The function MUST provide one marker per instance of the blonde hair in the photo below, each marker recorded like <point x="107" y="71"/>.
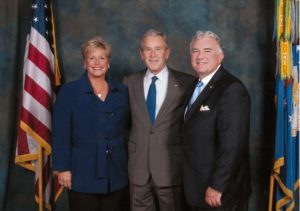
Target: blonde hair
<point x="96" y="42"/>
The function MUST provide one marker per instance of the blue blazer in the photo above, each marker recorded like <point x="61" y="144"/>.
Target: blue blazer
<point x="87" y="136"/>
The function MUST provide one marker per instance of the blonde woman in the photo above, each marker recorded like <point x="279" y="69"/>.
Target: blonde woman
<point x="88" y="148"/>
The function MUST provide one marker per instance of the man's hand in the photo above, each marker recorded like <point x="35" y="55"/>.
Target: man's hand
<point x="213" y="197"/>
<point x="64" y="178"/>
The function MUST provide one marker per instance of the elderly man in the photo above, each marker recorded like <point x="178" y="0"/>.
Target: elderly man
<point x="216" y="173"/>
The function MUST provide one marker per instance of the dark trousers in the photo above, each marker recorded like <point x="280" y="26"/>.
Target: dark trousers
<point x="241" y="206"/>
<point x="96" y="201"/>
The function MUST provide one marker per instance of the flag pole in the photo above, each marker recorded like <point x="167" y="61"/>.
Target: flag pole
<point x="40" y="170"/>
<point x="271" y="191"/>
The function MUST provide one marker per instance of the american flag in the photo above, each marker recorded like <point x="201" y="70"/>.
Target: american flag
<point x="40" y="76"/>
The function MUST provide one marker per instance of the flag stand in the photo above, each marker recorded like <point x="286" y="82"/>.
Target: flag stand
<point x="40" y="170"/>
<point x="271" y="193"/>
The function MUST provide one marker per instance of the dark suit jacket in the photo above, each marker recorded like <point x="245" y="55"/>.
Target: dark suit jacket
<point x="216" y="141"/>
<point x="156" y="149"/>
<point x="87" y="136"/>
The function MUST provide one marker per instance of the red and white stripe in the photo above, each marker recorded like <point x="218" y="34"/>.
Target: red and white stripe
<point x="35" y="112"/>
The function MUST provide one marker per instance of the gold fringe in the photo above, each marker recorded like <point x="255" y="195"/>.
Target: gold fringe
<point x="57" y="74"/>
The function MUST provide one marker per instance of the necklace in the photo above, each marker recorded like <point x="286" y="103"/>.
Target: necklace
<point x="101" y="92"/>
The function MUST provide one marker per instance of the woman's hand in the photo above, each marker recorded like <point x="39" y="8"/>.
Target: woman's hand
<point x="65" y="178"/>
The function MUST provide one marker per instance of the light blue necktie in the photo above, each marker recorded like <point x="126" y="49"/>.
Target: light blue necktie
<point x="196" y="93"/>
<point x="151" y="99"/>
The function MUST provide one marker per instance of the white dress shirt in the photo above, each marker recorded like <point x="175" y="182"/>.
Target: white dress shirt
<point x="205" y="81"/>
<point x="207" y="78"/>
<point x="161" y="86"/>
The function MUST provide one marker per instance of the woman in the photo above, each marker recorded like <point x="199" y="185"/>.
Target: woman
<point x="88" y="147"/>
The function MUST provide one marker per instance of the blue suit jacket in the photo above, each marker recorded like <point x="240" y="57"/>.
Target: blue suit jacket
<point x="87" y="136"/>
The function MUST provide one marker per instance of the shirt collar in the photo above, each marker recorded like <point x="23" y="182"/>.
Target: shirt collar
<point x="207" y="78"/>
<point x="162" y="75"/>
<point x="86" y="87"/>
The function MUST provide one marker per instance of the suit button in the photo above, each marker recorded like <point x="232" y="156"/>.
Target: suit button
<point x="112" y="113"/>
<point x="108" y="151"/>
<point x="151" y="132"/>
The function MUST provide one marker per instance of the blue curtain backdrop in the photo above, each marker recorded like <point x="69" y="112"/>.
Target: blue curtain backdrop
<point x="244" y="26"/>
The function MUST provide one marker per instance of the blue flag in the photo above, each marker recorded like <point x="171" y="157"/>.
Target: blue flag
<point x="286" y="158"/>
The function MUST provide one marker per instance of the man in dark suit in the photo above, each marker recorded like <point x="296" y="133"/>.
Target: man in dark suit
<point x="216" y="172"/>
<point x="157" y="98"/>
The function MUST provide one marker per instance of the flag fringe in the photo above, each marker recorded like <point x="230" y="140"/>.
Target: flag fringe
<point x="56" y="65"/>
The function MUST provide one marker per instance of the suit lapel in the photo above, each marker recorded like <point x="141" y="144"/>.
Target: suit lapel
<point x="140" y="97"/>
<point x="172" y="91"/>
<point x="204" y="94"/>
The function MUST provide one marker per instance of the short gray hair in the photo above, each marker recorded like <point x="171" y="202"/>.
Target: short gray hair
<point x="201" y="34"/>
<point x="153" y="32"/>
